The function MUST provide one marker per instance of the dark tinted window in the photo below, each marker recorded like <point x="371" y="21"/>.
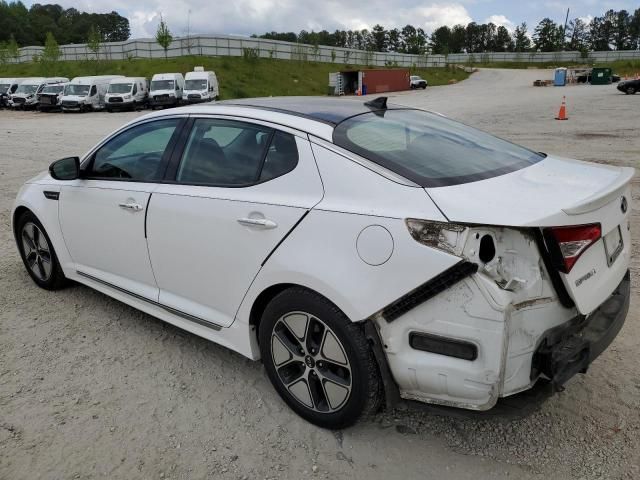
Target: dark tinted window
<point x="429" y="149"/>
<point x="224" y="153"/>
<point x="281" y="158"/>
<point x="135" y="154"/>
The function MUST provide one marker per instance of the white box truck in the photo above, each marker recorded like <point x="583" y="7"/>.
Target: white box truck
<point x="26" y="95"/>
<point x="8" y="86"/>
<point x="86" y="93"/>
<point x="200" y="86"/>
<point x="166" y="90"/>
<point x="127" y="93"/>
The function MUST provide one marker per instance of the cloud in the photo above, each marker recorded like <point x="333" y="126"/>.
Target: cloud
<point x="245" y="17"/>
<point x="500" y="21"/>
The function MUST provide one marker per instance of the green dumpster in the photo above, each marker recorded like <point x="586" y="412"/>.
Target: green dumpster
<point x="601" y="76"/>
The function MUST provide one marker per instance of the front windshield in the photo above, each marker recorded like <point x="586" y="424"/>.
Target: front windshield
<point x="195" y="84"/>
<point x="79" y="90"/>
<point x="431" y="150"/>
<point x="53" y="89"/>
<point x="120" y="87"/>
<point x="27" y="89"/>
<point x="415" y="77"/>
<point x="162" y="85"/>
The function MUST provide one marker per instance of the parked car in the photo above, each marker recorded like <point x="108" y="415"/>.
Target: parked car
<point x="26" y="95"/>
<point x="50" y="98"/>
<point x="86" y="93"/>
<point x="630" y="87"/>
<point x="462" y="269"/>
<point x="8" y="86"/>
<point x="128" y="93"/>
<point x="166" y="90"/>
<point x="200" y="86"/>
<point x="417" y="82"/>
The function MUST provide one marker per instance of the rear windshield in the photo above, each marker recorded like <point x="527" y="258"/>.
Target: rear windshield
<point x="430" y="150"/>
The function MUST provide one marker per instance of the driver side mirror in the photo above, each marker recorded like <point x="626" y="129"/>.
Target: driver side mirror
<point x="65" y="169"/>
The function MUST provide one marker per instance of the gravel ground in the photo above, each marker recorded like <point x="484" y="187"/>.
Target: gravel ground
<point x="92" y="388"/>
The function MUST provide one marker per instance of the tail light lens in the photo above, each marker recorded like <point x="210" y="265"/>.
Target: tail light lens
<point x="448" y="237"/>
<point x="568" y="243"/>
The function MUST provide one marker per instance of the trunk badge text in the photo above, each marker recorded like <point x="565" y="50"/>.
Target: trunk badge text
<point x="585" y="277"/>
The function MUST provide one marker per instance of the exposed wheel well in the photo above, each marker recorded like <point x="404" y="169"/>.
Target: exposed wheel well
<point x="16" y="215"/>
<point x="263" y="300"/>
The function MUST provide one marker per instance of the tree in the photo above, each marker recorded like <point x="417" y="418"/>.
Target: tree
<point x="51" y="52"/>
<point x="13" y="51"/>
<point x="163" y="36"/>
<point x="94" y="41"/>
<point x="503" y="41"/>
<point x="440" y="40"/>
<point x="521" y="40"/>
<point x="578" y="35"/>
<point x="379" y="38"/>
<point x="394" y="40"/>
<point x="547" y="36"/>
<point x="622" y="30"/>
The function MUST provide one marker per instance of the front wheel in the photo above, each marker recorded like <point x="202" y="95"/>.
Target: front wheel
<point x="319" y="362"/>
<point x="631" y="91"/>
<point x="38" y="254"/>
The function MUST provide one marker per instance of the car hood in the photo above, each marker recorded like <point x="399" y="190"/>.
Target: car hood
<point x="554" y="191"/>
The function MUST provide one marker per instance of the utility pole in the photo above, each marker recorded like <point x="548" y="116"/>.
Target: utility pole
<point x="189" y="31"/>
<point x="564" y="30"/>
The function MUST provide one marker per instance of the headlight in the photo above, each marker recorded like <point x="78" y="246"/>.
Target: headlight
<point x="172" y="94"/>
<point x="127" y="97"/>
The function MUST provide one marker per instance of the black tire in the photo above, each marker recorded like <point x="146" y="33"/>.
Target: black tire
<point x="359" y="374"/>
<point x="55" y="279"/>
<point x="424" y="87"/>
<point x="631" y="91"/>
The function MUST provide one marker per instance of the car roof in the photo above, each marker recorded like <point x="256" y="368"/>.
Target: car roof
<point x="312" y="115"/>
<point x="331" y="110"/>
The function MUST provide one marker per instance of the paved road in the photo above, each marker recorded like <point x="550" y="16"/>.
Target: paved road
<point x="90" y="388"/>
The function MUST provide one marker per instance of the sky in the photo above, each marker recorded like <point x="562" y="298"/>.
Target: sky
<point x="245" y="17"/>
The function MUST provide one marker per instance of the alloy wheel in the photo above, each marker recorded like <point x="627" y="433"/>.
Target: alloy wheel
<point x="36" y="251"/>
<point x="311" y="362"/>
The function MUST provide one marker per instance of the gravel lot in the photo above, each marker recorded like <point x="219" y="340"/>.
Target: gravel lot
<point x="91" y="388"/>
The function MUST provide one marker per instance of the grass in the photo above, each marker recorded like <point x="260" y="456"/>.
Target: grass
<point x="622" y="67"/>
<point x="238" y="77"/>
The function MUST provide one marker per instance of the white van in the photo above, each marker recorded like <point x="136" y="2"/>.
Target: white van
<point x="51" y="97"/>
<point x="8" y="86"/>
<point x="200" y="86"/>
<point x="126" y="93"/>
<point x="86" y="93"/>
<point x="26" y="95"/>
<point x="166" y="90"/>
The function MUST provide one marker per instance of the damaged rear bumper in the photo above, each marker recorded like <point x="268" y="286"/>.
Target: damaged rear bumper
<point x="570" y="348"/>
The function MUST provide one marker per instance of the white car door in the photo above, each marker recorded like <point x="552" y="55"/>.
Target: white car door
<point x="231" y="195"/>
<point x="102" y="215"/>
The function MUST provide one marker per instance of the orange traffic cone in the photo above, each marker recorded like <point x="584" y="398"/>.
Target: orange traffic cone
<point x="562" y="114"/>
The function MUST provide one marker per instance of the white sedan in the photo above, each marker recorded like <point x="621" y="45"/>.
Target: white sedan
<point x="365" y="252"/>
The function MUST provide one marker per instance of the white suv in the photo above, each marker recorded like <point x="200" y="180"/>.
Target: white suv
<point x="364" y="252"/>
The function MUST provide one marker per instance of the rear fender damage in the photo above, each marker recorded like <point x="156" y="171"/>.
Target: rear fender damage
<point x="497" y="299"/>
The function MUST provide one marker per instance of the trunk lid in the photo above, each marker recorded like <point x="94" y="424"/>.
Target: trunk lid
<point x="551" y="193"/>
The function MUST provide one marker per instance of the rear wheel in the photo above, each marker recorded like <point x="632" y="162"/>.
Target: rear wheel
<point x="38" y="254"/>
<point x="319" y="362"/>
<point x="631" y="91"/>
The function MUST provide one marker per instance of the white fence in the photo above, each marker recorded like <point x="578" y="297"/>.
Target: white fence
<point x="540" y="57"/>
<point x="233" y="46"/>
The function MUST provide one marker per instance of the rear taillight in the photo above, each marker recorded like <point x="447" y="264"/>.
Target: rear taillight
<point x="568" y="243"/>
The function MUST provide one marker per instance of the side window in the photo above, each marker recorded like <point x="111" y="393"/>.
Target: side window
<point x="135" y="154"/>
<point x="93" y="91"/>
<point x="281" y="158"/>
<point x="135" y="89"/>
<point x="223" y="153"/>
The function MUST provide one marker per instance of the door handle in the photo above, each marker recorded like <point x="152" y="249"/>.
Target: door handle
<point x="258" y="222"/>
<point x="134" y="207"/>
